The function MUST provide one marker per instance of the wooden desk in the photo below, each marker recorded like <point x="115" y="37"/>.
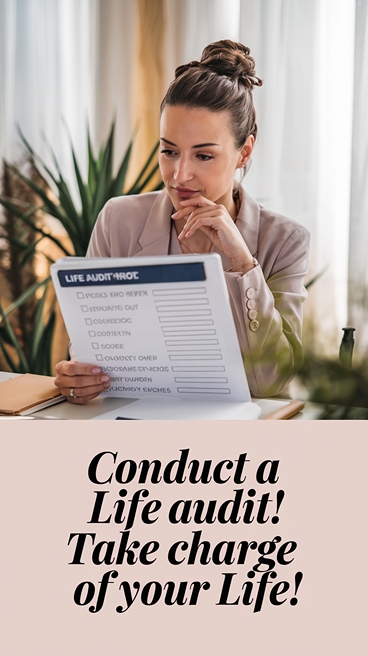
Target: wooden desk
<point x="100" y="405"/>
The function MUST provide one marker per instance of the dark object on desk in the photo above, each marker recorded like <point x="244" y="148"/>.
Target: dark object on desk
<point x="340" y="385"/>
<point x="347" y="347"/>
<point x="126" y="418"/>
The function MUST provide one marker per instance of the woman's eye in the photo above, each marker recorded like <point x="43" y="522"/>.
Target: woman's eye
<point x="169" y="153"/>
<point x="203" y="157"/>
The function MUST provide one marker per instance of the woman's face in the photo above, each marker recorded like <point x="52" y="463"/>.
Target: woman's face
<point x="198" y="156"/>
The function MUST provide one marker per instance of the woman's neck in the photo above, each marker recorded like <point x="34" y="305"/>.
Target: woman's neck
<point x="198" y="243"/>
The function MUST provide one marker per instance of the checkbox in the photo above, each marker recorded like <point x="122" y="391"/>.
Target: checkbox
<point x="80" y="295"/>
<point x="92" y="333"/>
<point x="99" y="357"/>
<point x="94" y="345"/>
<point x="84" y="308"/>
<point x="88" y="322"/>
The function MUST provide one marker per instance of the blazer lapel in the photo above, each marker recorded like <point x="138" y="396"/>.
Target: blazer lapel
<point x="248" y="221"/>
<point x="155" y="238"/>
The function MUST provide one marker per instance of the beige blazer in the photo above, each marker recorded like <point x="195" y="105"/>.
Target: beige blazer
<point x="266" y="302"/>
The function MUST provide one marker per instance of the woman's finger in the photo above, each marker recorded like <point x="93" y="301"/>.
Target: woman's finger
<point x="74" y="374"/>
<point x="189" y="205"/>
<point x="80" y="381"/>
<point x="73" y="368"/>
<point x="83" y="394"/>
<point x="80" y="400"/>
<point x="214" y="218"/>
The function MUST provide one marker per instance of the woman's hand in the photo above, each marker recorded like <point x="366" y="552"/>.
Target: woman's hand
<point x="85" y="381"/>
<point x="214" y="221"/>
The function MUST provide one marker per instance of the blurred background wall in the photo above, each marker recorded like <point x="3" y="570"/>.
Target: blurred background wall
<point x="64" y="63"/>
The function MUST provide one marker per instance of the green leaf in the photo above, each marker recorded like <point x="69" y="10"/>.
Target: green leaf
<point x="92" y="165"/>
<point x="27" y="145"/>
<point x="103" y="184"/>
<point x="86" y="199"/>
<point x="21" y="244"/>
<point x="25" y="296"/>
<point x="317" y="276"/>
<point x="4" y="337"/>
<point x="110" y="153"/>
<point x="51" y="207"/>
<point x="39" y="159"/>
<point x="138" y="180"/>
<point x="14" y="342"/>
<point x="42" y="363"/>
<point x="106" y="150"/>
<point x="117" y="186"/>
<point x="138" y="189"/>
<point x="48" y="235"/>
<point x="10" y="362"/>
<point x="14" y="208"/>
<point x="29" y="252"/>
<point x="38" y="325"/>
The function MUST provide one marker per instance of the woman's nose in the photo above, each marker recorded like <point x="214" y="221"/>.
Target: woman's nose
<point x="183" y="171"/>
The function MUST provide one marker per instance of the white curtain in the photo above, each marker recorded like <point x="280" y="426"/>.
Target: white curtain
<point x="47" y="82"/>
<point x="116" y="30"/>
<point x="358" y="252"/>
<point x="302" y="164"/>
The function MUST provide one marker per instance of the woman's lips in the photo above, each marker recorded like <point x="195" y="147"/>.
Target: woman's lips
<point x="184" y="193"/>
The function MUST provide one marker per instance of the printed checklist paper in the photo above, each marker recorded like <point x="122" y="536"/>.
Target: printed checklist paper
<point x="159" y="326"/>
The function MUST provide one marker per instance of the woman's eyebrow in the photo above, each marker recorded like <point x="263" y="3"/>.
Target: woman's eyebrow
<point x="167" y="141"/>
<point x="204" y="145"/>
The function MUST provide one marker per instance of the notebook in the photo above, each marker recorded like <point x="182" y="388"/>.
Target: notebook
<point x="27" y="393"/>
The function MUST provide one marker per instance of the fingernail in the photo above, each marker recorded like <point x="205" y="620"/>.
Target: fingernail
<point x="96" y="370"/>
<point x="105" y="378"/>
<point x="107" y="384"/>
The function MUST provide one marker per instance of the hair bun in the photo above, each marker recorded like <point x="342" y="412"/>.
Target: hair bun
<point x="231" y="59"/>
<point x="185" y="67"/>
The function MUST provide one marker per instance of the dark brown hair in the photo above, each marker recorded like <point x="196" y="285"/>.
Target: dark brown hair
<point x="222" y="80"/>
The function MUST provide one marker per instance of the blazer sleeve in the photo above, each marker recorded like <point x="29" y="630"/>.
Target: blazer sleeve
<point x="100" y="242"/>
<point x="268" y="316"/>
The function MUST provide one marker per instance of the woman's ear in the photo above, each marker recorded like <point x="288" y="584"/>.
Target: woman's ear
<point x="246" y="150"/>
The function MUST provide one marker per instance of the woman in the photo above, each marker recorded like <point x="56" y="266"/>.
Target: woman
<point x="208" y="129"/>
